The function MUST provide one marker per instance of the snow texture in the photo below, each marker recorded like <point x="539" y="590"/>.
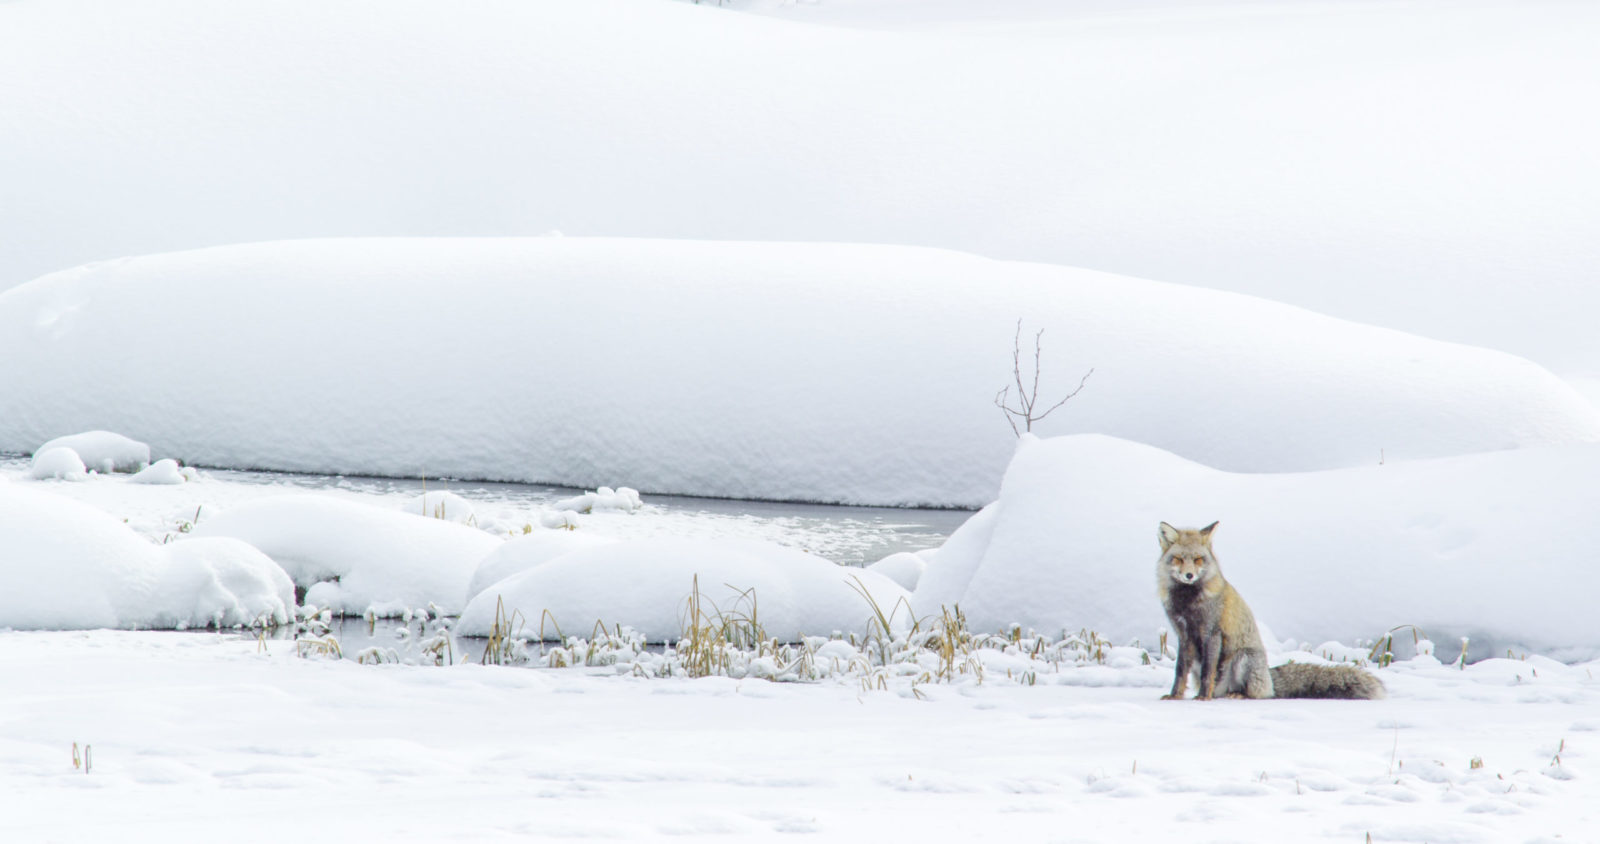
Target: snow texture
<point x="1491" y="546"/>
<point x="68" y="566"/>
<point x="103" y="451"/>
<point x="840" y="373"/>
<point x="352" y="556"/>
<point x="645" y="584"/>
<point x="1427" y="166"/>
<point x="1503" y="751"/>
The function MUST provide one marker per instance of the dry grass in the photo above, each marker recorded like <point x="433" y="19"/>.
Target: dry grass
<point x="505" y="646"/>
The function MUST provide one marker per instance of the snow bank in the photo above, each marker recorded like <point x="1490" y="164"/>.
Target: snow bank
<point x="645" y="584"/>
<point x="521" y="553"/>
<point x="840" y="373"/>
<point x="67" y="565"/>
<point x="1429" y="166"/>
<point x="62" y="464"/>
<point x="103" y="451"/>
<point x="351" y="556"/>
<point x="1494" y="546"/>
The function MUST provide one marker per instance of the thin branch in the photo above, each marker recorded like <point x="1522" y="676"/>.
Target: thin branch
<point x="1000" y="402"/>
<point x="1028" y="400"/>
<point x="1085" y="380"/>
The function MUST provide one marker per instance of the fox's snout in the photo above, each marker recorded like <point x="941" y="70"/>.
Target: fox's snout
<point x="1189" y="576"/>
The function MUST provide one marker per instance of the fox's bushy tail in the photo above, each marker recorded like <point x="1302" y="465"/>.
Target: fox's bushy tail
<point x="1298" y="679"/>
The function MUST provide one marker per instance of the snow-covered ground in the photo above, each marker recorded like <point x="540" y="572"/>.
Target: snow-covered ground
<point x="1422" y="165"/>
<point x="812" y="372"/>
<point x="199" y="736"/>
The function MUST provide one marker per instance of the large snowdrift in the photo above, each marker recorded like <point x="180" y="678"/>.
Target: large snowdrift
<point x="841" y="373"/>
<point x="646" y="585"/>
<point x="67" y="565"/>
<point x="351" y="557"/>
<point x="1492" y="546"/>
<point x="1427" y="166"/>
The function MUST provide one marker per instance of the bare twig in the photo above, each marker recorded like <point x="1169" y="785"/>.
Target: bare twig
<point x="1028" y="400"/>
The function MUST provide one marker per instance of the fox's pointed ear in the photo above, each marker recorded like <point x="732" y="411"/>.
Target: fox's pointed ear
<point x="1205" y="532"/>
<point x="1168" y="535"/>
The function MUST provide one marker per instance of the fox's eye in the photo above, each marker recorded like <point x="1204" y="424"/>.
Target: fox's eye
<point x="1199" y="561"/>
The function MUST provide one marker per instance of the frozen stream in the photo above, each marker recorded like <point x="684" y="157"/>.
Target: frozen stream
<point x="847" y="535"/>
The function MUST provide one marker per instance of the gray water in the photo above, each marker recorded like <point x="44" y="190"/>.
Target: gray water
<point x="853" y="536"/>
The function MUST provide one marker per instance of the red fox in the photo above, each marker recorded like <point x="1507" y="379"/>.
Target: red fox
<point x="1217" y="635"/>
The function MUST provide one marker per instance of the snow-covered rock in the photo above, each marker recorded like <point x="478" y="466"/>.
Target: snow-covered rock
<point x="220" y="582"/>
<point x="825" y="372"/>
<point x="622" y="499"/>
<point x="352" y="556"/>
<point x="163" y="471"/>
<point x="1491" y="546"/>
<point x="441" y="504"/>
<point x="103" y="451"/>
<point x="904" y="568"/>
<point x="57" y="463"/>
<point x="67" y="565"/>
<point x="646" y="584"/>
<point x="521" y="553"/>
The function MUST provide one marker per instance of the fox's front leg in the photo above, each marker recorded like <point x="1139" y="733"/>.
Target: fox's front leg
<point x="1210" y="655"/>
<point x="1187" y="657"/>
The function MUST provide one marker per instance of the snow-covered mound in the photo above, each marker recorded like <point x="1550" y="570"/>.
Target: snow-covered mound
<point x="441" y="504"/>
<point x="163" y="471"/>
<point x="1492" y="546"/>
<point x="521" y="553"/>
<point x="67" y="565"/>
<point x="351" y="556"/>
<point x="1428" y="166"/>
<point x="826" y="372"/>
<point x="646" y="584"/>
<point x="221" y="582"/>
<point x="904" y="568"/>
<point x="103" y="451"/>
<point x="57" y="463"/>
<point x="622" y="499"/>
